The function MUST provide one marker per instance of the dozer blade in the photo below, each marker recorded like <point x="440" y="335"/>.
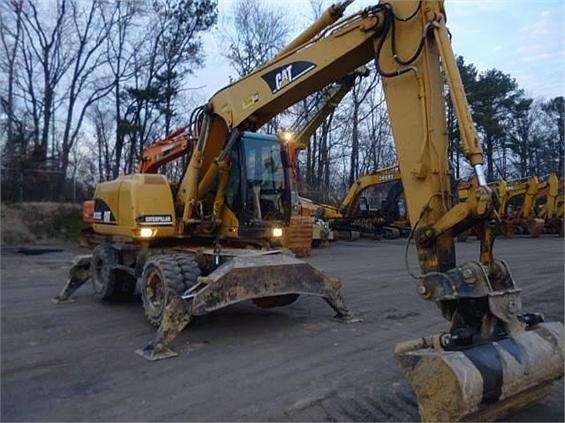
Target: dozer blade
<point x="244" y="278"/>
<point x="251" y="277"/>
<point x="486" y="381"/>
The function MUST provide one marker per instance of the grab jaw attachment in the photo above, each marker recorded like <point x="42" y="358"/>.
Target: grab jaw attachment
<point x="494" y="360"/>
<point x="483" y="382"/>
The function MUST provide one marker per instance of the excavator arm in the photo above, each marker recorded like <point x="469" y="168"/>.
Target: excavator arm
<point x="552" y="192"/>
<point x="494" y="356"/>
<point x="552" y="211"/>
<point x="327" y="57"/>
<point x="175" y="145"/>
<point x="334" y="98"/>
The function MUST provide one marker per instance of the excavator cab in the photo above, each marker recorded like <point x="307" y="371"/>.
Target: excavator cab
<point x="258" y="191"/>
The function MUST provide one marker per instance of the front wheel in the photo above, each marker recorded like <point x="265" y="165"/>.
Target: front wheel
<point x="162" y="276"/>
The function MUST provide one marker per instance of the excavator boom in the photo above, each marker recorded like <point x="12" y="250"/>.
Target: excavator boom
<point x="459" y="373"/>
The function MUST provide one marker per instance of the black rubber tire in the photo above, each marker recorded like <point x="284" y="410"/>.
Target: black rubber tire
<point x="162" y="276"/>
<point x="103" y="279"/>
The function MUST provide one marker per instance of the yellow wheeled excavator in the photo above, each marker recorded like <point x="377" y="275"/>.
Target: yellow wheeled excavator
<point x="188" y="244"/>
<point x="356" y="215"/>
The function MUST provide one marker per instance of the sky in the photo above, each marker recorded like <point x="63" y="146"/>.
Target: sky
<point x="524" y="38"/>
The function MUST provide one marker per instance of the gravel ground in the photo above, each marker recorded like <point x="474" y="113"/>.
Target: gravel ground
<point x="76" y="361"/>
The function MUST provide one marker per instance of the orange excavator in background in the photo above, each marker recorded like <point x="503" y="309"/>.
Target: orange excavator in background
<point x="177" y="144"/>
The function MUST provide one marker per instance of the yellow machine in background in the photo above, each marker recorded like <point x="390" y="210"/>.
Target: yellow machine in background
<point x="354" y="217"/>
<point x="234" y="198"/>
<point x="519" y="209"/>
<point x="386" y="221"/>
<point x="519" y="214"/>
<point x="552" y="210"/>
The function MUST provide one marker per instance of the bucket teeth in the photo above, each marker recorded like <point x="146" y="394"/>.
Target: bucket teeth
<point x="486" y="381"/>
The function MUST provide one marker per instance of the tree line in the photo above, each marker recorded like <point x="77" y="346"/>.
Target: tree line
<point x="88" y="85"/>
<point x="98" y="79"/>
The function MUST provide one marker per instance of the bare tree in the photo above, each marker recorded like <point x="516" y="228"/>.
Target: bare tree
<point x="10" y="40"/>
<point x="101" y="119"/>
<point x="45" y="44"/>
<point x="172" y="50"/>
<point x="361" y="90"/>
<point x="377" y="146"/>
<point x="86" y="85"/>
<point x="254" y="34"/>
<point x="119" y="51"/>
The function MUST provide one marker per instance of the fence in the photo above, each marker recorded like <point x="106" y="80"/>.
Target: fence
<point x="19" y="185"/>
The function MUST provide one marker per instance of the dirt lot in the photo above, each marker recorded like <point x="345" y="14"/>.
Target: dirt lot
<point x="76" y="361"/>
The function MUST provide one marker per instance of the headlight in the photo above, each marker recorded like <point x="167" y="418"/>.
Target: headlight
<point x="277" y="232"/>
<point x="286" y="136"/>
<point x="146" y="232"/>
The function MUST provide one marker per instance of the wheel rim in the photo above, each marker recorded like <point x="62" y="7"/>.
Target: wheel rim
<point x="155" y="292"/>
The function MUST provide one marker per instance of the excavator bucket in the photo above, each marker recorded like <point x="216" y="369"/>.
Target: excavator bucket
<point x="484" y="382"/>
<point x="267" y="279"/>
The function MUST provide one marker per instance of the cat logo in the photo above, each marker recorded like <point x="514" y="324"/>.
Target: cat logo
<point x="282" y="76"/>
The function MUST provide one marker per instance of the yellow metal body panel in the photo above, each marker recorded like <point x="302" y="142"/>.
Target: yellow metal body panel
<point x="549" y="210"/>
<point x="135" y="201"/>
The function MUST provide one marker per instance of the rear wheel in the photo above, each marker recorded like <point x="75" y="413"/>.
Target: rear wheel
<point x="162" y="276"/>
<point x="104" y="258"/>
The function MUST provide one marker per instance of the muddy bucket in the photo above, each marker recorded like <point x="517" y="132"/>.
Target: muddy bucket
<point x="486" y="381"/>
